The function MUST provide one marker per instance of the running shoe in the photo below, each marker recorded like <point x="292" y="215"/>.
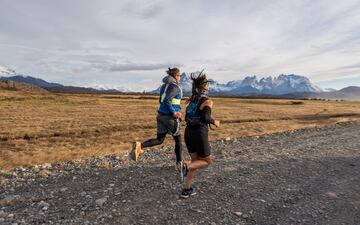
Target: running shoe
<point x="186" y="193"/>
<point x="136" y="151"/>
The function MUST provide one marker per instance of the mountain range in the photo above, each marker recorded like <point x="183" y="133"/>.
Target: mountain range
<point x="287" y="86"/>
<point x="9" y="74"/>
<point x="251" y="85"/>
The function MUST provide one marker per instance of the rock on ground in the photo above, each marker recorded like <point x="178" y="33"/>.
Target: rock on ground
<point x="308" y="176"/>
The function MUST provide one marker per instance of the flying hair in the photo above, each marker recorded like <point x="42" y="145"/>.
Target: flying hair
<point x="199" y="85"/>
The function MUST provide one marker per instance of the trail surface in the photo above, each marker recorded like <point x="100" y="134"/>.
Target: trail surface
<point x="308" y="176"/>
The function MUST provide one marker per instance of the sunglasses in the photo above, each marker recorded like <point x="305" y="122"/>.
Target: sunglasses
<point x="206" y="86"/>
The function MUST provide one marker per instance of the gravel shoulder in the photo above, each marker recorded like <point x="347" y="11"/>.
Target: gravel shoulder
<point x="307" y="176"/>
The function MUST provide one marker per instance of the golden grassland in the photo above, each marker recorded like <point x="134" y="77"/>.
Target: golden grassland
<point x="45" y="128"/>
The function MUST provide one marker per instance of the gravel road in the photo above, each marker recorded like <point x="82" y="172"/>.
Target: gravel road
<point x="308" y="176"/>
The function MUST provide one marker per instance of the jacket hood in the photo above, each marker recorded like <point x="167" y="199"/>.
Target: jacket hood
<point x="169" y="80"/>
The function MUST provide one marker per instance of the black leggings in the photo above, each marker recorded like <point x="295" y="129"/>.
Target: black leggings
<point x="160" y="139"/>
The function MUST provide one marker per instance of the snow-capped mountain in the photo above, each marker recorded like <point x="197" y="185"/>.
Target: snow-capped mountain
<point x="186" y="85"/>
<point x="106" y="87"/>
<point x="6" y="71"/>
<point x="293" y="83"/>
<point x="279" y="85"/>
<point x="250" y="85"/>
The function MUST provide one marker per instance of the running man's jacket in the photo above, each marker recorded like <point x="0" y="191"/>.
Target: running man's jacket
<point x="170" y="96"/>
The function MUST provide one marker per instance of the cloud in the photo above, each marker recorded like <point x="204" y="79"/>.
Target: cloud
<point x="352" y="66"/>
<point x="68" y="41"/>
<point x="143" y="9"/>
<point x="139" y="67"/>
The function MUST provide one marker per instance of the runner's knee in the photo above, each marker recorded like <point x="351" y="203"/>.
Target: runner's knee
<point x="208" y="159"/>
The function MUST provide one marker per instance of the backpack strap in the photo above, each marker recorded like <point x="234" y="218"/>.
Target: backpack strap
<point x="163" y="96"/>
<point x="203" y="98"/>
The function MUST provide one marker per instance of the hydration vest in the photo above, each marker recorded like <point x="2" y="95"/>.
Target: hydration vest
<point x="175" y="102"/>
<point x="193" y="112"/>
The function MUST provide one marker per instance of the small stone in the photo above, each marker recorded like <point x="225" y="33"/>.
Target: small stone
<point x="47" y="165"/>
<point x="100" y="201"/>
<point x="44" y="205"/>
<point x="228" y="139"/>
<point x="63" y="189"/>
<point x="331" y="194"/>
<point x="10" y="215"/>
<point x="10" y="198"/>
<point x="2" y="213"/>
<point x="45" y="173"/>
<point x="238" y="213"/>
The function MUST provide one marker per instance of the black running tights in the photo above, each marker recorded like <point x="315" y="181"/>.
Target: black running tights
<point x="160" y="139"/>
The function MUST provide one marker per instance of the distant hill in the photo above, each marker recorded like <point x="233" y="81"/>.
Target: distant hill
<point x="17" y="86"/>
<point x="84" y="90"/>
<point x="348" y="93"/>
<point x="32" y="80"/>
<point x="351" y="93"/>
<point x="10" y="75"/>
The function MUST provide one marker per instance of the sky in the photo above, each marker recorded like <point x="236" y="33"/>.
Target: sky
<point x="131" y="43"/>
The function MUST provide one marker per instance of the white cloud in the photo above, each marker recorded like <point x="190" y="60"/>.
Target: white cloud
<point x="126" y="42"/>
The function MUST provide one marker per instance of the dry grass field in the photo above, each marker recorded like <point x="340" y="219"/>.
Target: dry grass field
<point x="44" y="128"/>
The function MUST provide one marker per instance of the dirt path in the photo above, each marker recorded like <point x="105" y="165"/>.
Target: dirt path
<point x="309" y="176"/>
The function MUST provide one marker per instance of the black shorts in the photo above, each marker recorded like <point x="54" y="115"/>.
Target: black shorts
<point x="168" y="125"/>
<point x="197" y="140"/>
